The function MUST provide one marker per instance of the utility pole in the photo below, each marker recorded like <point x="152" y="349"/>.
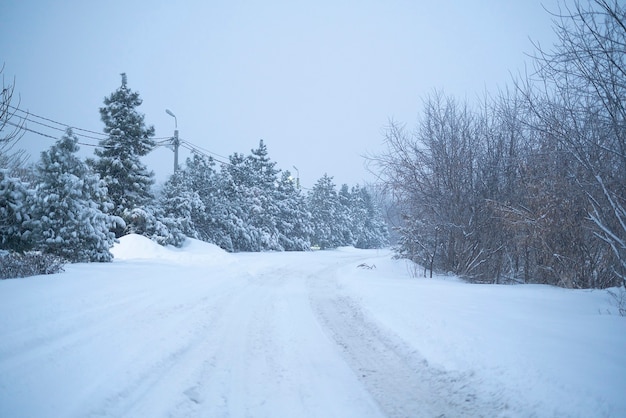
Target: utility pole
<point x="175" y="140"/>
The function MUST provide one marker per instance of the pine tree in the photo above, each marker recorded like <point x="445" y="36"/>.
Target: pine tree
<point x="370" y="228"/>
<point x="324" y="207"/>
<point x="347" y="229"/>
<point x="69" y="206"/>
<point x="239" y="203"/>
<point x="293" y="220"/>
<point x="262" y="183"/>
<point x="209" y="218"/>
<point x="246" y="207"/>
<point x="180" y="203"/>
<point x="127" y="178"/>
<point x="151" y="222"/>
<point x="262" y="168"/>
<point x="13" y="195"/>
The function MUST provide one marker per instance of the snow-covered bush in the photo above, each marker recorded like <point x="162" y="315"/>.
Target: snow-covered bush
<point x="151" y="223"/>
<point x="13" y="196"/>
<point x="30" y="263"/>
<point x="179" y="202"/>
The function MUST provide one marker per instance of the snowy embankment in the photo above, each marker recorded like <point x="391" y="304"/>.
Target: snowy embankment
<point x="199" y="332"/>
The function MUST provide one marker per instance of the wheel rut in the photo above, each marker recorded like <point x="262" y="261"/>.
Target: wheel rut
<point x="397" y="376"/>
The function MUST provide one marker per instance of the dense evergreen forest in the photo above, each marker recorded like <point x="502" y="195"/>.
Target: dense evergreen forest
<point x="75" y="209"/>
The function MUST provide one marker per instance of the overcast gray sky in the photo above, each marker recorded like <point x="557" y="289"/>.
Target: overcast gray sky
<point x="316" y="80"/>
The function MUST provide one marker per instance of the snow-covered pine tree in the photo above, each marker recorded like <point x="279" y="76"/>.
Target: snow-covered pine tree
<point x="324" y="205"/>
<point x="69" y="206"/>
<point x="13" y="197"/>
<point x="245" y="208"/>
<point x="151" y="222"/>
<point x="127" y="179"/>
<point x="262" y="179"/>
<point x="347" y="227"/>
<point x="241" y="204"/>
<point x="181" y="203"/>
<point x="202" y="178"/>
<point x="371" y="229"/>
<point x="262" y="168"/>
<point x="293" y="220"/>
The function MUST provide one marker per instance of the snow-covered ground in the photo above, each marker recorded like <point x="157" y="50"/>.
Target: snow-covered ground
<point x="199" y="332"/>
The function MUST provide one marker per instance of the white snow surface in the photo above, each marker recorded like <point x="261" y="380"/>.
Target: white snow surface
<point x="197" y="332"/>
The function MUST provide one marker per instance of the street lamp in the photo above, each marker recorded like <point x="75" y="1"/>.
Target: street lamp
<point x="175" y="140"/>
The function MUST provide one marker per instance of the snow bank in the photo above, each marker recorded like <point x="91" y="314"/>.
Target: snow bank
<point x="138" y="247"/>
<point x="558" y="349"/>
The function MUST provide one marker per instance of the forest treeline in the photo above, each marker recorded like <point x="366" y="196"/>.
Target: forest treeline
<point x="72" y="209"/>
<point x="528" y="185"/>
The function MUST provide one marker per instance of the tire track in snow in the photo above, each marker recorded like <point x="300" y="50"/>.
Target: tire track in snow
<point x="148" y="390"/>
<point x="274" y="360"/>
<point x="222" y="387"/>
<point x="65" y="332"/>
<point x="397" y="376"/>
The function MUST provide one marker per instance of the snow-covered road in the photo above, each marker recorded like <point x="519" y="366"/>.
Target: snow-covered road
<point x="201" y="333"/>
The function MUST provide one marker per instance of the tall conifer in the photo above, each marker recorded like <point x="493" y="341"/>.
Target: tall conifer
<point x="69" y="206"/>
<point x="128" y="180"/>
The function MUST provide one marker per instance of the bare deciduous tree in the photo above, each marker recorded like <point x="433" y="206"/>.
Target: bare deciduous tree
<point x="10" y="130"/>
<point x="531" y="186"/>
<point x="582" y="105"/>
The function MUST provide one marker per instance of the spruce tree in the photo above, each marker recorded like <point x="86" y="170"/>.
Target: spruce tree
<point x="370" y="228"/>
<point x="262" y="168"/>
<point x="324" y="207"/>
<point x="201" y="177"/>
<point x="13" y="196"/>
<point x="247" y="209"/>
<point x="69" y="206"/>
<point x="152" y="222"/>
<point x="346" y="226"/>
<point x="262" y="183"/>
<point x="128" y="180"/>
<point x="239" y="204"/>
<point x="293" y="219"/>
<point x="180" y="203"/>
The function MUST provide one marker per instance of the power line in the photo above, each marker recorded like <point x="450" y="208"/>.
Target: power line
<point x="204" y="149"/>
<point x="60" y="129"/>
<point x="198" y="150"/>
<point x="160" y="141"/>
<point x="50" y="136"/>
<point x="28" y="117"/>
<point x="53" y="121"/>
<point x="30" y="130"/>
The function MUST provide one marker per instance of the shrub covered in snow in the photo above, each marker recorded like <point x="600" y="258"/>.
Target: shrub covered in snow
<point x="30" y="263"/>
<point x="13" y="196"/>
<point x="152" y="223"/>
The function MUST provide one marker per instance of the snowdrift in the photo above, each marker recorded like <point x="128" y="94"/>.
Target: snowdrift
<point x="137" y="247"/>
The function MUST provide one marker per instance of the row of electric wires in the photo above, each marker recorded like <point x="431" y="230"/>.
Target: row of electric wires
<point x="51" y="128"/>
<point x="43" y="123"/>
